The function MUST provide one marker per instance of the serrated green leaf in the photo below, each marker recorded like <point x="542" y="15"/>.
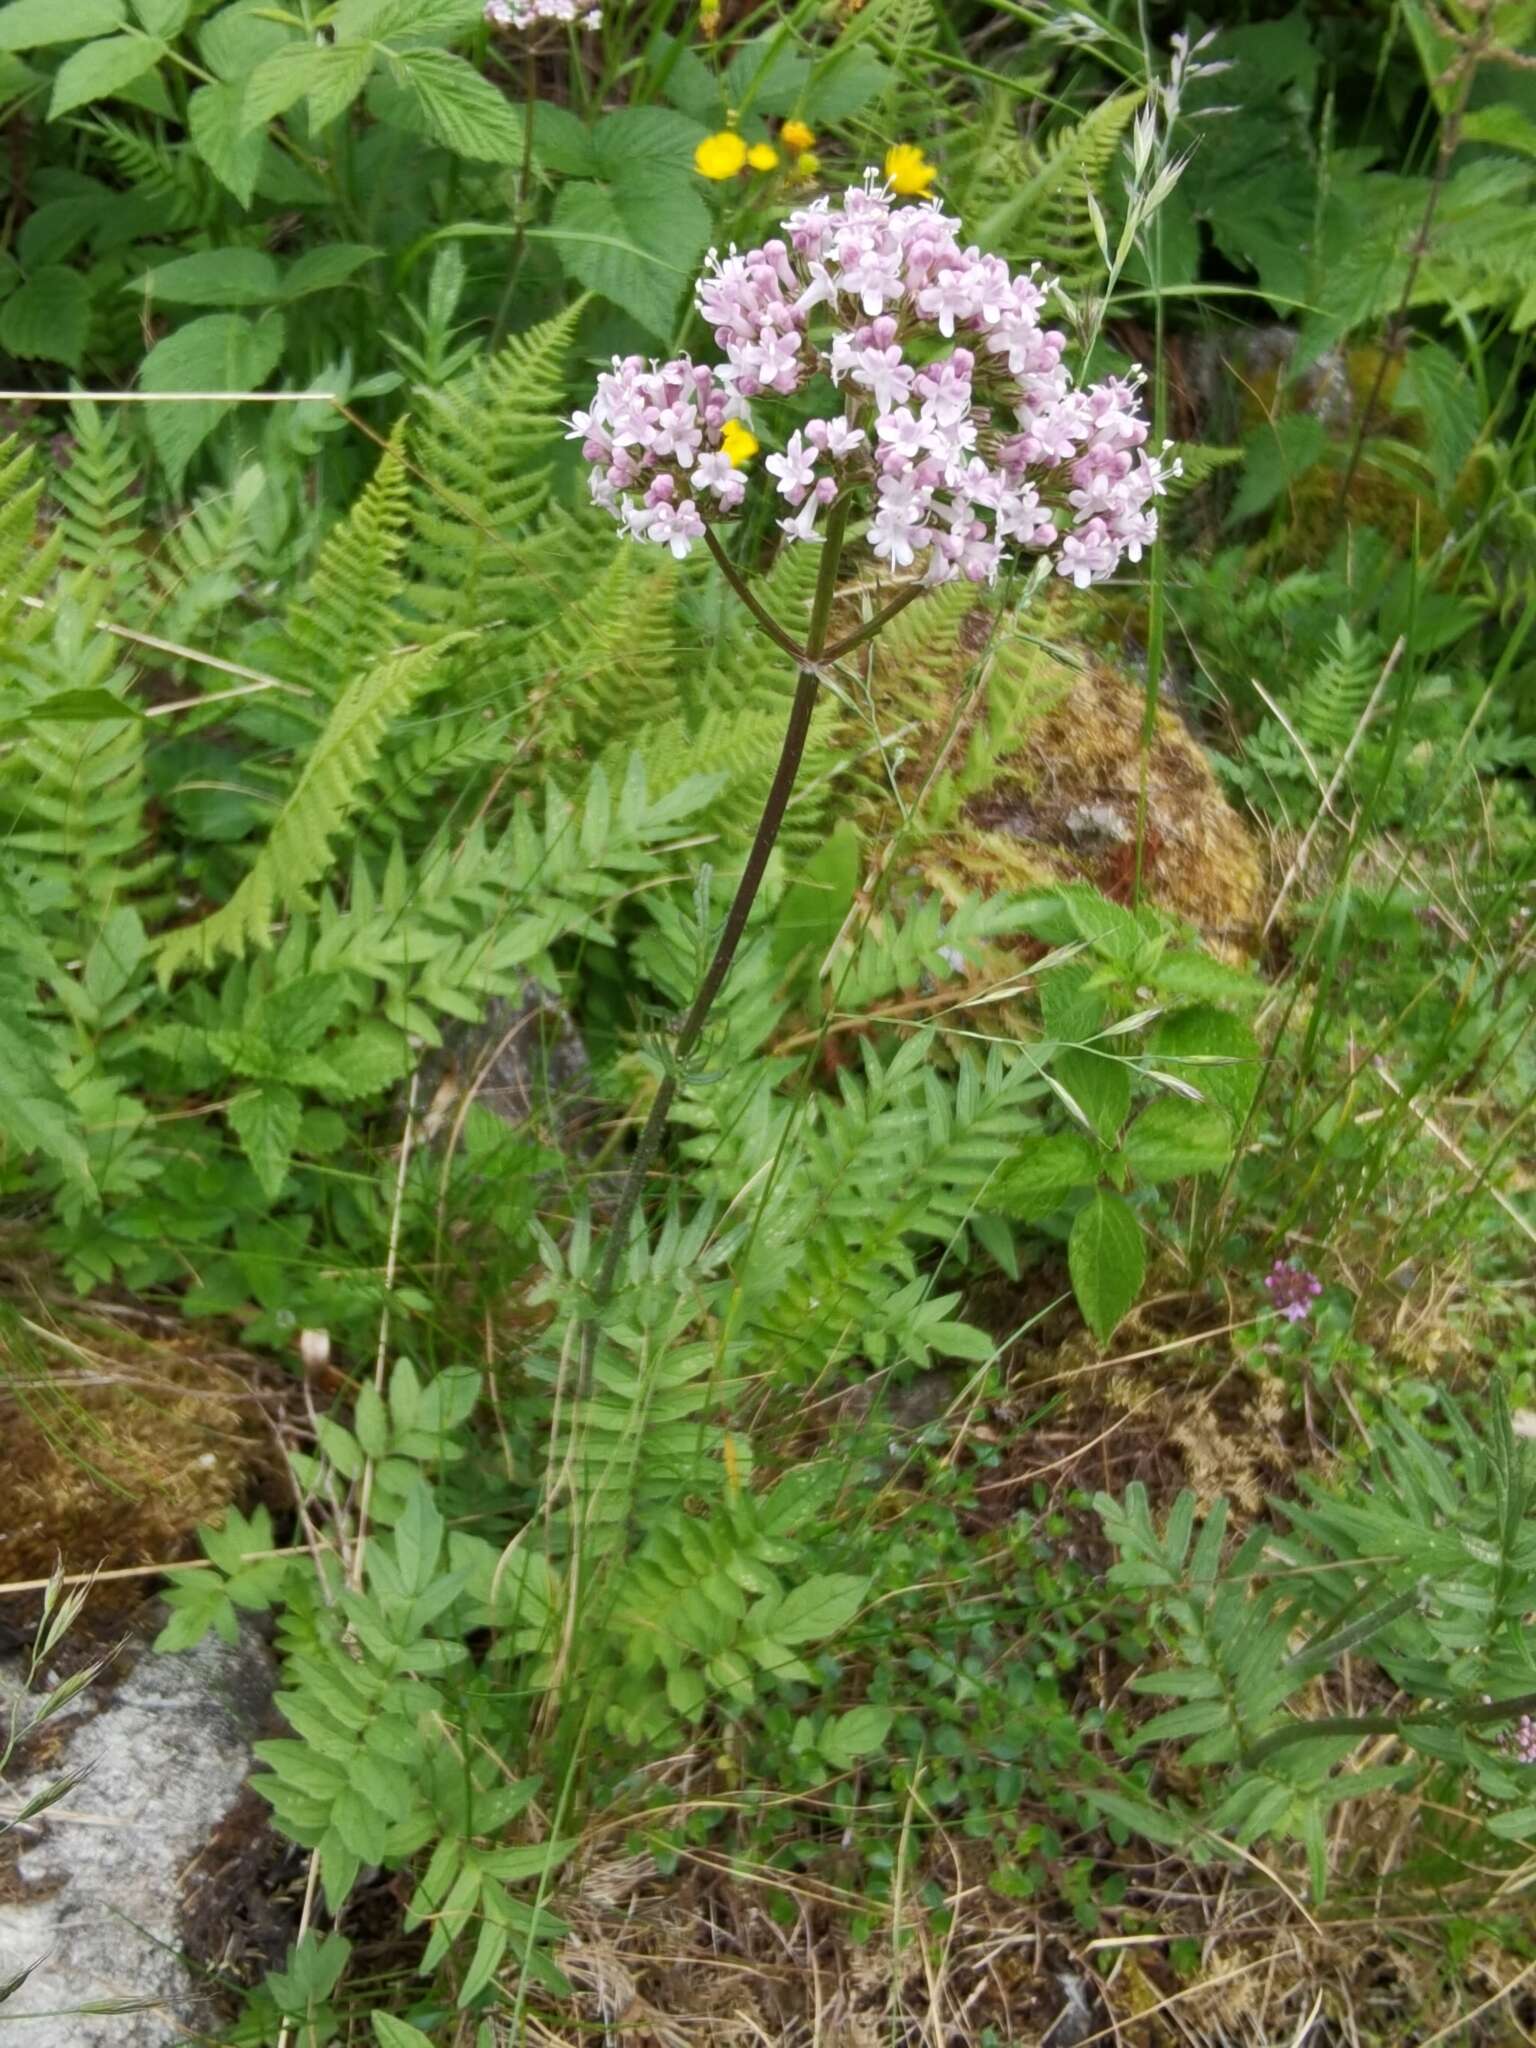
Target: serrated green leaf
<point x="48" y="318"/>
<point x="266" y="1121"/>
<point x="37" y="24"/>
<point x="1171" y="1138"/>
<point x="811" y="1612"/>
<point x="1099" y="1084"/>
<point x="1107" y="1258"/>
<point x="637" y="243"/>
<point x="212" y="277"/>
<point x="1043" y="1174"/>
<point x="1213" y="1051"/>
<point x="450" y="102"/>
<point x="219" y="353"/>
<point x="101" y="69"/>
<point x="219" y="135"/>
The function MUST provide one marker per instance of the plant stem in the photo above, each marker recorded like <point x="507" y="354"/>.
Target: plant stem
<point x="798" y="655"/>
<point x="524" y="186"/>
<point x="796" y="733"/>
<point x="1475" y="1716"/>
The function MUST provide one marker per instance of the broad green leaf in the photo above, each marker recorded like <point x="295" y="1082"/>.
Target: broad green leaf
<point x="101" y="69"/>
<point x="859" y="1732"/>
<point x="638" y="243"/>
<point x="1213" y="1051"/>
<point x="1107" y="1258"/>
<point x="220" y="352"/>
<point x="323" y="268"/>
<point x="813" y="907"/>
<point x="843" y="84"/>
<point x="337" y="82"/>
<point x="1099" y="1084"/>
<point x="281" y="81"/>
<point x="648" y="138"/>
<point x="1172" y="1138"/>
<point x="561" y="142"/>
<point x="236" y="39"/>
<point x="811" y="1612"/>
<point x="392" y="2033"/>
<point x="213" y="277"/>
<point x="450" y="102"/>
<point x="79" y="707"/>
<point x="48" y="318"/>
<point x="1043" y="1174"/>
<point x="266" y="1121"/>
<point x="1276" y="454"/>
<point x="35" y="24"/>
<point x="215" y="119"/>
<point x="162" y="17"/>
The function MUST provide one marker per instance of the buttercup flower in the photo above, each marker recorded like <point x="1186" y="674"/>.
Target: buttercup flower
<point x="908" y="172"/>
<point x="958" y="428"/>
<point x="738" y="442"/>
<point x="796" y="136"/>
<point x="720" y="156"/>
<point x="762" y="156"/>
<point x="1292" y="1289"/>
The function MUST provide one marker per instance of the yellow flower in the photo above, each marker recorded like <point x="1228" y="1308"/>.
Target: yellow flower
<point x="762" y="156"/>
<point x="796" y="136"/>
<point x="908" y="171"/>
<point x="720" y="156"/>
<point x="739" y="442"/>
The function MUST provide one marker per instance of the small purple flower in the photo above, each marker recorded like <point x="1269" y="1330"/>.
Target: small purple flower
<point x="1292" y="1289"/>
<point x="1519" y="1742"/>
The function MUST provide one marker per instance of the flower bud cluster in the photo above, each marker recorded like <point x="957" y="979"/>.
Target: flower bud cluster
<point x="523" y="15"/>
<point x="960" y="426"/>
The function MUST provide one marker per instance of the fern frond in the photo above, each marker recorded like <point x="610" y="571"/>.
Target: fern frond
<point x="170" y="175"/>
<point x="1046" y="218"/>
<point x="331" y="786"/>
<point x="345" y="621"/>
<point x="27" y="560"/>
<point x="485" y="449"/>
<point x="97" y="494"/>
<point x="606" y="667"/>
<point x="72" y="788"/>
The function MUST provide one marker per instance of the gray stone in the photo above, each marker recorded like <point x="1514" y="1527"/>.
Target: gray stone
<point x="93" y="1898"/>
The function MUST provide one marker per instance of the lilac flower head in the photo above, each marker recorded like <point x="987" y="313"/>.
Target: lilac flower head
<point x="1520" y="1741"/>
<point x="1292" y="1289"/>
<point x="959" y="425"/>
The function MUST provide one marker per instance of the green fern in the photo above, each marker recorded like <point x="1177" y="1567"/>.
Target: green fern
<point x="331" y="785"/>
<point x="484" y="453"/>
<point x="1045" y="216"/>
<point x="97" y="493"/>
<point x="346" y="619"/>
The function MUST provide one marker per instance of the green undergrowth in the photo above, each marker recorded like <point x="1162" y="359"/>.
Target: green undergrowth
<point x="940" y="1534"/>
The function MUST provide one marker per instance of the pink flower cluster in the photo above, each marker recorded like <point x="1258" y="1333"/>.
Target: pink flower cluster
<point x="960" y="424"/>
<point x="655" y="434"/>
<point x="1292" y="1289"/>
<point x="526" y="14"/>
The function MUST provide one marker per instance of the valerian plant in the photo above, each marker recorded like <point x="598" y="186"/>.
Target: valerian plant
<point x="951" y="430"/>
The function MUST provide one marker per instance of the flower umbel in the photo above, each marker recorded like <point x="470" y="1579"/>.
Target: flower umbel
<point x="526" y="14"/>
<point x="720" y="156"/>
<point x="1292" y="1289"/>
<point x="958" y="427"/>
<point x="796" y="136"/>
<point x="908" y="172"/>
